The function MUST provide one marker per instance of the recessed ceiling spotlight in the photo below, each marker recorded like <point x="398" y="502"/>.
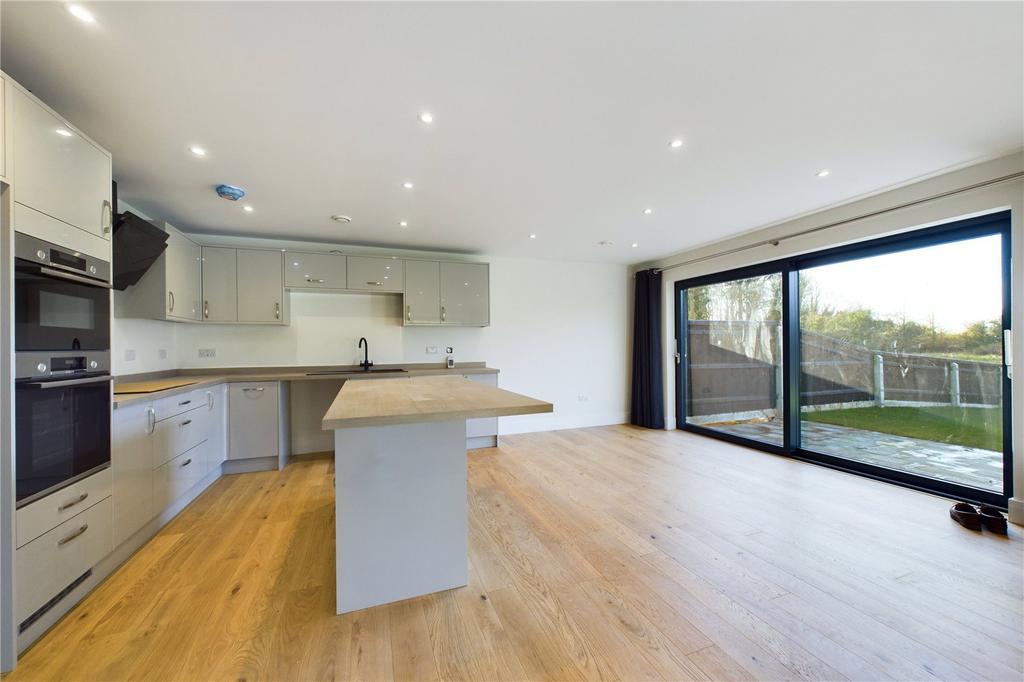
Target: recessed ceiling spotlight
<point x="403" y="223"/>
<point x="407" y="185"/>
<point x="426" y="117"/>
<point x="247" y="209"/>
<point x="635" y="244"/>
<point x="822" y="173"/>
<point x="533" y="236"/>
<point x="64" y="132"/>
<point x="676" y="143"/>
<point x="82" y="14"/>
<point x="648" y="211"/>
<point x="341" y="218"/>
<point x="197" y="150"/>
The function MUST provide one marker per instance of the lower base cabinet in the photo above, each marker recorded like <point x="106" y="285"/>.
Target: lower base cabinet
<point x="131" y="464"/>
<point x="255" y="420"/>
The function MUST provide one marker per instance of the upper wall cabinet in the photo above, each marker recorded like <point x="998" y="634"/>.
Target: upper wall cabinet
<point x="61" y="180"/>
<point x="465" y="294"/>
<point x="261" y="287"/>
<point x="422" y="292"/>
<point x="3" y="128"/>
<point x="375" y="274"/>
<point x="220" y="284"/>
<point x="170" y="289"/>
<point x="314" y="271"/>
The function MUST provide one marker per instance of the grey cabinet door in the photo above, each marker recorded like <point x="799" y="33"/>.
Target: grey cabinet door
<point x="260" y="286"/>
<point x="131" y="464"/>
<point x="184" y="277"/>
<point x="220" y="288"/>
<point x="465" y="294"/>
<point x="422" y="292"/>
<point x="314" y="271"/>
<point x="374" y="274"/>
<point x="253" y="420"/>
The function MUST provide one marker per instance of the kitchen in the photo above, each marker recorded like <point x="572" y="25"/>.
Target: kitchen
<point x="550" y="340"/>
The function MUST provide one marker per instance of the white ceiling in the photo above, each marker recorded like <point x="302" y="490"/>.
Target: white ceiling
<point x="551" y="118"/>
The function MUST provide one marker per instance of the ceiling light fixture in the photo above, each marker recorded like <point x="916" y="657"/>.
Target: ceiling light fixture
<point x="822" y="173"/>
<point x="82" y="14"/>
<point x="676" y="143"/>
<point x="64" y="132"/>
<point x="426" y="117"/>
<point x="341" y="218"/>
<point x="197" y="150"/>
<point x="648" y="211"/>
<point x="403" y="223"/>
<point x="635" y="244"/>
<point x="533" y="236"/>
<point x="247" y="209"/>
<point x="407" y="185"/>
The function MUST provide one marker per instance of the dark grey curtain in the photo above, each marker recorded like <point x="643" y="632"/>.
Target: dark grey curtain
<point x="647" y="404"/>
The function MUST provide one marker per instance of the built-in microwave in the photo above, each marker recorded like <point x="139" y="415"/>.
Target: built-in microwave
<point x="61" y="298"/>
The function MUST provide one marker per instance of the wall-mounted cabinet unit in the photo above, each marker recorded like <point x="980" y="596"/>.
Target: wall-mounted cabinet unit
<point x="261" y="287"/>
<point x="220" y="284"/>
<point x="170" y="289"/>
<point x="62" y="187"/>
<point x="375" y="274"/>
<point x="315" y="270"/>
<point x="422" y="292"/>
<point x="3" y="128"/>
<point x="465" y="294"/>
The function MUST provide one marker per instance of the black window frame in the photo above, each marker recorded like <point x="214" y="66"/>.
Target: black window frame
<point x="996" y="223"/>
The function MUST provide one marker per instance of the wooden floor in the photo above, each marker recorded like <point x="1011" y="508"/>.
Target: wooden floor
<point x="613" y="553"/>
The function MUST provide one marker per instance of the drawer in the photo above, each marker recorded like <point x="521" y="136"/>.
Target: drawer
<point x="178" y="476"/>
<point x="174" y="405"/>
<point x="314" y="271"/>
<point x="55" y="559"/>
<point x="375" y="274"/>
<point x="173" y="436"/>
<point x="46" y="514"/>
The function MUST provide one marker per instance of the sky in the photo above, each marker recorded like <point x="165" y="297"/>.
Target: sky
<point x="957" y="283"/>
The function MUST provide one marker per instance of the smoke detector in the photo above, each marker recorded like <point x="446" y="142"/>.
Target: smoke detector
<point x="229" y="192"/>
<point x="606" y="242"/>
<point x="341" y="218"/>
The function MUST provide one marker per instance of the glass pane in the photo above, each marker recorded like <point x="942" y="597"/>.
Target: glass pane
<point x="901" y="361"/>
<point x="734" y="357"/>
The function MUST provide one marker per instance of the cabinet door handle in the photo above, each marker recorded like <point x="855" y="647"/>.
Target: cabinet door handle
<point x="253" y="388"/>
<point x="317" y="281"/>
<point x="151" y="420"/>
<point x="408" y="312"/>
<point x="277" y="310"/>
<point x="185" y="423"/>
<point x="183" y="403"/>
<point x="68" y="538"/>
<point x="206" y="310"/>
<point x="170" y="301"/>
<point x="444" y="314"/>
<point x="72" y="503"/>
<point x="186" y="462"/>
<point x="375" y="284"/>
<point x="107" y="219"/>
<point x="209" y="400"/>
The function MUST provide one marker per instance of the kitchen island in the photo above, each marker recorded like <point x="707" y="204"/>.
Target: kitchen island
<point x="401" y="522"/>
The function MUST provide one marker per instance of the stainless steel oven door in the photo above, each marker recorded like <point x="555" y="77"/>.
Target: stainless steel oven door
<point x="62" y="433"/>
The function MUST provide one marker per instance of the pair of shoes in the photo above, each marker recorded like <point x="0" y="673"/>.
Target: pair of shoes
<point x="968" y="516"/>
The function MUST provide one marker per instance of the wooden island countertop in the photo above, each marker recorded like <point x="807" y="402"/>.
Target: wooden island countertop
<point x="423" y="399"/>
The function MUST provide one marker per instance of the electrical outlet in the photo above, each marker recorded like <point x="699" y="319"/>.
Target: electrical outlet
<point x="431" y="350"/>
<point x="129" y="354"/>
<point x="207" y="352"/>
<point x="162" y="354"/>
<point x="582" y="398"/>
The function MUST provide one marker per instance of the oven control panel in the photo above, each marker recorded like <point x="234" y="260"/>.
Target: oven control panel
<point x="43" y="364"/>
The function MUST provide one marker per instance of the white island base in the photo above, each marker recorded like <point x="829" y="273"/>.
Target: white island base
<point x="401" y="523"/>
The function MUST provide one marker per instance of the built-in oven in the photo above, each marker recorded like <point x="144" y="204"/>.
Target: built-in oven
<point x="62" y="420"/>
<point x="61" y="298"/>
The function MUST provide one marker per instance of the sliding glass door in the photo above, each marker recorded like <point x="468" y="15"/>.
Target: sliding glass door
<point x="896" y="358"/>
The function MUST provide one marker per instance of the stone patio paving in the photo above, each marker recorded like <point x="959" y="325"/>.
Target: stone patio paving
<point x="973" y="467"/>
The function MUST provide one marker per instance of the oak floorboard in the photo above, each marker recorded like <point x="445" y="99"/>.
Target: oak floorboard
<point x="606" y="553"/>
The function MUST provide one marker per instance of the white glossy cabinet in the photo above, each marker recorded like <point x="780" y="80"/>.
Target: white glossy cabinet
<point x="422" y="292"/>
<point x="62" y="175"/>
<point x="170" y="289"/>
<point x="254" y="420"/>
<point x="131" y="464"/>
<point x="375" y="274"/>
<point x="4" y="146"/>
<point x="314" y="270"/>
<point x="465" y="295"/>
<point x="261" y="287"/>
<point x="220" y="285"/>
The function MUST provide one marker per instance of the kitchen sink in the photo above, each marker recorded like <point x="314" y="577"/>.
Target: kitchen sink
<point x="372" y="370"/>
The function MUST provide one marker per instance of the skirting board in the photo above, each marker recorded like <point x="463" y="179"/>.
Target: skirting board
<point x="113" y="561"/>
<point x="247" y="466"/>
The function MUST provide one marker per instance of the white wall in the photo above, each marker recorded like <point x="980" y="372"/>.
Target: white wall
<point x="953" y="205"/>
<point x="559" y="332"/>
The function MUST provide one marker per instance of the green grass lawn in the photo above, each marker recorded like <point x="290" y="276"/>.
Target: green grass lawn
<point x="975" y="427"/>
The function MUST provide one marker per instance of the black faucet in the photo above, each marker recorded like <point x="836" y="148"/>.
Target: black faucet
<point x="365" y="364"/>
